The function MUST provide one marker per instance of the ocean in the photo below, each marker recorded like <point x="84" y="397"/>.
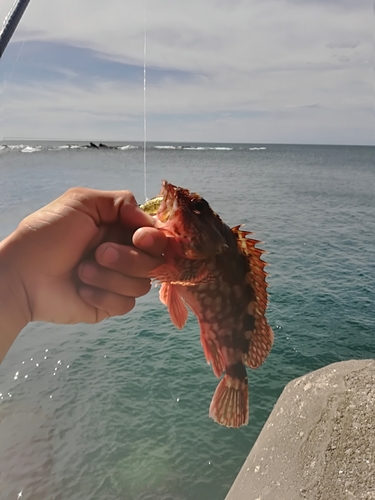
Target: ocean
<point x="119" y="411"/>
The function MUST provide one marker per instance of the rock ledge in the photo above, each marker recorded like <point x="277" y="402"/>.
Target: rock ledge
<point x="319" y="441"/>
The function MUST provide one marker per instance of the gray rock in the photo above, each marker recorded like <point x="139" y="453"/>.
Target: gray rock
<point x="319" y="441"/>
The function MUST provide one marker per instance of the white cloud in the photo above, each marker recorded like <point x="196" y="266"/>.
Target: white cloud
<point x="297" y="69"/>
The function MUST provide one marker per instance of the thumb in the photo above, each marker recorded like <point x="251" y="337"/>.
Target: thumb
<point x="150" y="240"/>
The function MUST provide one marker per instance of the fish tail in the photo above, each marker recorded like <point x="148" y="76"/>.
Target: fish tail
<point x="230" y="403"/>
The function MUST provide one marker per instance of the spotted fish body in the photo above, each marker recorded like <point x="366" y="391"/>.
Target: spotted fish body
<point x="218" y="273"/>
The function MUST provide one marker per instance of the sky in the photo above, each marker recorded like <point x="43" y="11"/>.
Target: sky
<point x="270" y="71"/>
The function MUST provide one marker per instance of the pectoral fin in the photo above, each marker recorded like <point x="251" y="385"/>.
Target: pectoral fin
<point x="176" y="306"/>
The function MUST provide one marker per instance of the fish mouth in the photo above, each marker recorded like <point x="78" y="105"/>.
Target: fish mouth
<point x="164" y="204"/>
<point x="168" y="204"/>
<point x="187" y="219"/>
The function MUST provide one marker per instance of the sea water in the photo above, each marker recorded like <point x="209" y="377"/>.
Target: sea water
<point x="121" y="408"/>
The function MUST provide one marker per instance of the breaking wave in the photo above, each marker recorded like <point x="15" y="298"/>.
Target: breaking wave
<point x="195" y="148"/>
<point x="30" y="149"/>
<point x="50" y="146"/>
<point x="128" y="146"/>
<point x="24" y="148"/>
<point x="206" y="148"/>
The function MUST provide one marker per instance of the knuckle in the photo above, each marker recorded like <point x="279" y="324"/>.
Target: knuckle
<point x="129" y="197"/>
<point x="77" y="191"/>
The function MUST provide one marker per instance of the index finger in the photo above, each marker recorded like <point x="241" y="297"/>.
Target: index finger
<point x="134" y="217"/>
<point x="106" y="207"/>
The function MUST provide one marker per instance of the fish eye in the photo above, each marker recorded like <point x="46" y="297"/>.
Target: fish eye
<point x="198" y="205"/>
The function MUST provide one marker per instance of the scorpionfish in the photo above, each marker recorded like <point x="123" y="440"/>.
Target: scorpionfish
<point x="218" y="273"/>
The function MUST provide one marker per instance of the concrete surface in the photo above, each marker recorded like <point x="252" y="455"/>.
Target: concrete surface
<point x="319" y="441"/>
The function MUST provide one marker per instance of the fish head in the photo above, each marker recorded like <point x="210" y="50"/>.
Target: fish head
<point x="188" y="219"/>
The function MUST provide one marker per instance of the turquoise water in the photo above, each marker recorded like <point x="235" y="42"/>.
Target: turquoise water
<point x="122" y="407"/>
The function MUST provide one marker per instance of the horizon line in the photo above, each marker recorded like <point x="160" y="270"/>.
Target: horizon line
<point x="35" y="139"/>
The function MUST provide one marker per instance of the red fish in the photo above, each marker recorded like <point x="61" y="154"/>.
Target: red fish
<point x="217" y="272"/>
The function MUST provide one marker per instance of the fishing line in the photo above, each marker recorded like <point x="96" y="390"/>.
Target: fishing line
<point x="11" y="73"/>
<point x="144" y="101"/>
<point x="18" y="55"/>
<point x="11" y="22"/>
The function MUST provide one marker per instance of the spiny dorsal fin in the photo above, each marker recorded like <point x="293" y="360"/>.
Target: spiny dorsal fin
<point x="261" y="336"/>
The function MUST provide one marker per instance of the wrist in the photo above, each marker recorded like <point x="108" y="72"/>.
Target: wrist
<point x="14" y="304"/>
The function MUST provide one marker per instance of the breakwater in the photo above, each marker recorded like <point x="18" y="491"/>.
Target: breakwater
<point x="318" y="442"/>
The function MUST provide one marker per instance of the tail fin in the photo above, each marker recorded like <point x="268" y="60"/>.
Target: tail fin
<point x="230" y="403"/>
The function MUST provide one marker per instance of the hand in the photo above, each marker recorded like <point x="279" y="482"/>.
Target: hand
<point x="82" y="258"/>
<point x="120" y="273"/>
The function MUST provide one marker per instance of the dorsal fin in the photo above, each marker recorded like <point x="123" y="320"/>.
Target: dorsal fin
<point x="260" y="335"/>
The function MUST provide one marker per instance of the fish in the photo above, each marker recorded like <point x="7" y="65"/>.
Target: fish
<point x="217" y="272"/>
<point x="151" y="206"/>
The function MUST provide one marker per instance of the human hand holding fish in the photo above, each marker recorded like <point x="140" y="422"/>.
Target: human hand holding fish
<point x="87" y="256"/>
<point x="82" y="258"/>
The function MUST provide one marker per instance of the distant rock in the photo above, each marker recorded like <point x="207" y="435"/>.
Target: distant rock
<point x="92" y="145"/>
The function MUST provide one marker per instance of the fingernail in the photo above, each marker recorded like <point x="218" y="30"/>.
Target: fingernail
<point x="88" y="271"/>
<point x="110" y="255"/>
<point x="146" y="240"/>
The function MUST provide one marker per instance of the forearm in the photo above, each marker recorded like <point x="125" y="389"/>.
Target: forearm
<point x="14" y="308"/>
